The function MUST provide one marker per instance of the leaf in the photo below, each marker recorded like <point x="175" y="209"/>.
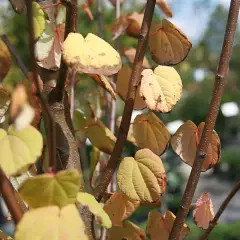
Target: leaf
<point x="79" y="123"/>
<point x="18" y="6"/>
<point x="61" y="15"/>
<point x="129" y="231"/>
<point x="203" y="212"/>
<point x="123" y="78"/>
<point x="150" y="132"/>
<point x="51" y="223"/>
<point x="95" y="208"/>
<point x="100" y="136"/>
<point x="104" y="83"/>
<point x="4" y="103"/>
<point x="130" y="53"/>
<point x="5" y="60"/>
<point x="135" y="22"/>
<point x="168" y="45"/>
<point x="94" y="159"/>
<point x="19" y="149"/>
<point x="48" y="189"/>
<point x="90" y="55"/>
<point x="162" y="223"/>
<point x="165" y="8"/>
<point x="87" y="10"/>
<point x="142" y="178"/>
<point x="119" y="207"/>
<point x="186" y="139"/>
<point x="161" y="89"/>
<point x="38" y="20"/>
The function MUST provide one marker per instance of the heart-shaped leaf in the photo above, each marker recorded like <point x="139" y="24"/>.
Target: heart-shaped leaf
<point x="142" y="178"/>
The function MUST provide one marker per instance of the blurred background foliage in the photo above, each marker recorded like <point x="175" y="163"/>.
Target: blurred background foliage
<point x="197" y="73"/>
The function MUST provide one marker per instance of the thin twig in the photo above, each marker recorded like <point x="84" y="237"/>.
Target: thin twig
<point x="13" y="51"/>
<point x="210" y="120"/>
<point x="7" y="192"/>
<point x="50" y="128"/>
<point x="127" y="113"/>
<point x="213" y="223"/>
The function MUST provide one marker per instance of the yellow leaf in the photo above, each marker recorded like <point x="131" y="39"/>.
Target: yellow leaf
<point x="119" y="207"/>
<point x="165" y="8"/>
<point x="91" y="55"/>
<point x="95" y="208"/>
<point x="142" y="178"/>
<point x="150" y="132"/>
<point x="100" y="136"/>
<point x="48" y="189"/>
<point x="186" y="139"/>
<point x="122" y="87"/>
<point x="168" y="45"/>
<point x="19" y="149"/>
<point x="38" y="20"/>
<point x="51" y="223"/>
<point x="129" y="231"/>
<point x="162" y="223"/>
<point x="5" y="60"/>
<point x="161" y="89"/>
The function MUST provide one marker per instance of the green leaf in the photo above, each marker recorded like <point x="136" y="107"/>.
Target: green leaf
<point x="51" y="223"/>
<point x="19" y="149"/>
<point x="38" y="20"/>
<point x="48" y="189"/>
<point x="79" y="122"/>
<point x="61" y="15"/>
<point x="142" y="178"/>
<point x="95" y="208"/>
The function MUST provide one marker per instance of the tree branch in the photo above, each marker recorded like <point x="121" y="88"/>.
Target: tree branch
<point x="210" y="120"/>
<point x="13" y="51"/>
<point x="50" y="128"/>
<point x="213" y="223"/>
<point x="129" y="103"/>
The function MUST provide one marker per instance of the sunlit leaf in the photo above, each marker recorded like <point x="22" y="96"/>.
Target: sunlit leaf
<point x="38" y="20"/>
<point x="5" y="60"/>
<point x="203" y="212"/>
<point x="122" y="87"/>
<point x="150" y="132"/>
<point x="186" y="139"/>
<point x="165" y="8"/>
<point x="51" y="223"/>
<point x="48" y="189"/>
<point x="161" y="89"/>
<point x="158" y="223"/>
<point x="142" y="178"/>
<point x="168" y="45"/>
<point x="128" y="231"/>
<point x="95" y="208"/>
<point x="119" y="207"/>
<point x="19" y="149"/>
<point x="90" y="55"/>
<point x="100" y="136"/>
<point x="18" y="6"/>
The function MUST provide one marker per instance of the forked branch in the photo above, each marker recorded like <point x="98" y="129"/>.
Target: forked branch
<point x="210" y="120"/>
<point x="129" y="103"/>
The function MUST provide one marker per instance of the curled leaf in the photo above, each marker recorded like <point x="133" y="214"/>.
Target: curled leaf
<point x="168" y="45"/>
<point x="186" y="139"/>
<point x="203" y="212"/>
<point x="142" y="178"/>
<point x="135" y="22"/>
<point x="150" y="132"/>
<point x="87" y="10"/>
<point x="5" y="60"/>
<point x="161" y="89"/>
<point x="165" y="8"/>
<point x="91" y="55"/>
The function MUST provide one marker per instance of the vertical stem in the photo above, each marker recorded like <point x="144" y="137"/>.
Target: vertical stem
<point x="210" y="120"/>
<point x="51" y="130"/>
<point x="129" y="103"/>
<point x="72" y="89"/>
<point x="220" y="211"/>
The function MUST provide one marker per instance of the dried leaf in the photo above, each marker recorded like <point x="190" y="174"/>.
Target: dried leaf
<point x="186" y="139"/>
<point x="122" y="87"/>
<point x="168" y="45"/>
<point x="128" y="231"/>
<point x="5" y="60"/>
<point x="163" y="223"/>
<point x="91" y="55"/>
<point x="203" y="212"/>
<point x="18" y="6"/>
<point x="119" y="26"/>
<point x="165" y="8"/>
<point x="150" y="132"/>
<point x="87" y="10"/>
<point x="142" y="178"/>
<point x="135" y="22"/>
<point x="161" y="89"/>
<point x="119" y="207"/>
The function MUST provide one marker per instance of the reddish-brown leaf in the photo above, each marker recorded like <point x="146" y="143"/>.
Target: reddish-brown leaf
<point x="165" y="8"/>
<point x="87" y="10"/>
